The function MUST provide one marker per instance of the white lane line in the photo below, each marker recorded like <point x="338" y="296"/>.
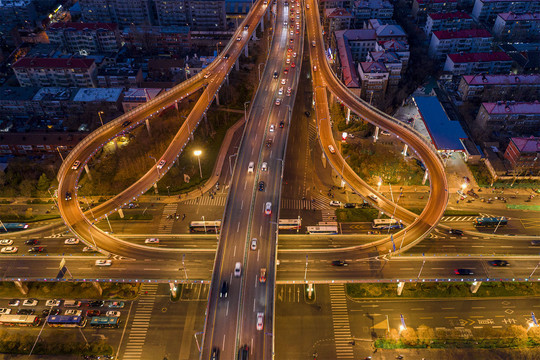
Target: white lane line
<point x="238" y="227"/>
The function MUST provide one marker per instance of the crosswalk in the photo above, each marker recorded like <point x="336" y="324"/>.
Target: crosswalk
<point x="462" y="218"/>
<point x="166" y="224"/>
<point x="340" y="320"/>
<point x="141" y="322"/>
<point x="217" y="200"/>
<point x="319" y="202"/>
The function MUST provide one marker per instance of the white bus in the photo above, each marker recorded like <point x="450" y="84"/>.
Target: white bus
<point x="386" y="224"/>
<point x="326" y="230"/>
<point x="205" y="226"/>
<point x="289" y="224"/>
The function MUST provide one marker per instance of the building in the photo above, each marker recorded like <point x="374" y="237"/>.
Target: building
<point x="237" y="7"/>
<point x="16" y="13"/>
<point x="453" y="21"/>
<point x="59" y="72"/>
<point x="401" y="48"/>
<point x="495" y="87"/>
<point x="337" y="19"/>
<point x="122" y="12"/>
<point x="391" y="61"/>
<point x="385" y="32"/>
<point x="478" y="63"/>
<point x="136" y="96"/>
<point x="158" y="39"/>
<point x="374" y="77"/>
<point x="38" y="143"/>
<point x="85" y="38"/>
<point x="487" y="10"/>
<point x="105" y="100"/>
<point x="450" y="42"/>
<point x="421" y="8"/>
<point x="517" y="27"/>
<point x="364" y="10"/>
<point x="520" y="118"/>
<point x="120" y="76"/>
<point x="359" y="42"/>
<point x="207" y="15"/>
<point x="524" y="155"/>
<point x="525" y="55"/>
<point x="172" y="12"/>
<point x="15" y="102"/>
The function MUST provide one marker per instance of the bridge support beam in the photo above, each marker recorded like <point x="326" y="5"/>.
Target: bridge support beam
<point x="246" y="51"/>
<point x="155" y="188"/>
<point x="348" y="115"/>
<point x="121" y="213"/>
<point x="237" y="65"/>
<point x="400" y="287"/>
<point x="227" y="79"/>
<point x="98" y="287"/>
<point x="87" y="169"/>
<point x="475" y="286"/>
<point x="425" y="177"/>
<point x="22" y="287"/>
<point x="323" y="159"/>
<point x="217" y="98"/>
<point x="148" y="126"/>
<point x="376" y="136"/>
<point x="174" y="289"/>
<point x="405" y="150"/>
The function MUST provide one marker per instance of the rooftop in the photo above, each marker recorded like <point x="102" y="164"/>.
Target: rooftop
<point x="527" y="145"/>
<point x="357" y="34"/>
<point x="373" y="4"/>
<point x="460" y="34"/>
<point x="479" y="57"/>
<point x="55" y="94"/>
<point x="98" y="94"/>
<point x="384" y="56"/>
<point x="373" y="67"/>
<point x="83" y="26"/>
<point x="348" y="71"/>
<point x="520" y="17"/>
<point x="511" y="107"/>
<point x="54" y="63"/>
<point x="337" y="13"/>
<point x="140" y="94"/>
<point x="17" y="93"/>
<point x="450" y="15"/>
<point x="511" y="79"/>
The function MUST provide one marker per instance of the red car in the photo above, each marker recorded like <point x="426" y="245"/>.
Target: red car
<point x="91" y="313"/>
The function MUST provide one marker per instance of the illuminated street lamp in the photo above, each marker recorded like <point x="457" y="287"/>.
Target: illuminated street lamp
<point x="198" y="153"/>
<point x="100" y="119"/>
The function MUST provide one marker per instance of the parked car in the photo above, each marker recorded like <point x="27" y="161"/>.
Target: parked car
<point x="25" y="312"/>
<point x="73" y="312"/>
<point x="53" y="302"/>
<point x="116" y="304"/>
<point x="6" y="242"/>
<point x="14" y="302"/>
<point x="335" y="203"/>
<point x="30" y="302"/>
<point x="113" y="313"/>
<point x="349" y="205"/>
<point x="97" y="303"/>
<point x="5" y="311"/>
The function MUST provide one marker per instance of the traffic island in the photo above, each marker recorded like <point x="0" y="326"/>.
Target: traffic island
<point x="309" y="293"/>
<point x="70" y="290"/>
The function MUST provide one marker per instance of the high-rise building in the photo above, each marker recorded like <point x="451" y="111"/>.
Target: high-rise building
<point x="487" y="10"/>
<point x="59" y="72"/>
<point x="16" y="13"/>
<point x="517" y="27"/>
<point x="449" y="42"/>
<point x="84" y="38"/>
<point x="122" y="12"/>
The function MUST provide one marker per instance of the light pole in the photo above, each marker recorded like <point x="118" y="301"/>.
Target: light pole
<point x="61" y="157"/>
<point x="100" y="119"/>
<point x="245" y="111"/>
<point x="198" y="153"/>
<point x="343" y="167"/>
<point x="217" y="49"/>
<point x="155" y="161"/>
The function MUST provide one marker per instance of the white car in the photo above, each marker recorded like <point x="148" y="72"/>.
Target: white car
<point x="9" y="250"/>
<point x="207" y="75"/>
<point x="30" y="302"/>
<point x="253" y="244"/>
<point x="294" y="54"/>
<point x="280" y="91"/>
<point x="462" y="194"/>
<point x="161" y="164"/>
<point x="75" y="165"/>
<point x="238" y="38"/>
<point x="283" y="81"/>
<point x="268" y="208"/>
<point x="151" y="241"/>
<point x="237" y="269"/>
<point x="272" y="127"/>
<point x="103" y="262"/>
<point x="53" y="302"/>
<point x="260" y="320"/>
<point x="89" y="249"/>
<point x="264" y="166"/>
<point x="6" y="242"/>
<point x="5" y="311"/>
<point x="251" y="167"/>
<point x="384" y="132"/>
<point x="331" y="148"/>
<point x="373" y="197"/>
<point x="71" y="241"/>
<point x="335" y="203"/>
<point x="113" y="313"/>
<point x="73" y="312"/>
<point x="278" y="101"/>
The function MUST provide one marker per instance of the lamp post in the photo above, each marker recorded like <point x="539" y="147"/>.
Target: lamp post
<point x="217" y="49"/>
<point x="61" y="157"/>
<point x="198" y="153"/>
<point x="155" y="161"/>
<point x="100" y="119"/>
<point x="245" y="110"/>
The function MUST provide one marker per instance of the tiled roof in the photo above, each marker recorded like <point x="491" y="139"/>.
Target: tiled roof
<point x="357" y="35"/>
<point x="527" y="145"/>
<point x="390" y="31"/>
<point x="83" y="26"/>
<point x="450" y="15"/>
<point x="479" y="57"/>
<point x="350" y="77"/>
<point x="520" y="17"/>
<point x="54" y="63"/>
<point x="373" y="67"/>
<point x="337" y="13"/>
<point x="502" y="107"/>
<point x="462" y="34"/>
<point x="502" y="79"/>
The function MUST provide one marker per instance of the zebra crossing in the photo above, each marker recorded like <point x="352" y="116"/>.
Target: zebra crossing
<point x="165" y="224"/>
<point x="329" y="215"/>
<point x="217" y="200"/>
<point x="340" y="320"/>
<point x="462" y="218"/>
<point x="141" y="322"/>
<point x="317" y="203"/>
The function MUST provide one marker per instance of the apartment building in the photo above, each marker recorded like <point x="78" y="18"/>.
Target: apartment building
<point x="421" y="8"/>
<point x="17" y="13"/>
<point x="38" y="143"/>
<point x="85" y="38"/>
<point x="122" y="12"/>
<point x="400" y="47"/>
<point x="509" y="116"/>
<point x="120" y="75"/>
<point x="359" y="42"/>
<point x="523" y="153"/>
<point x="487" y="10"/>
<point x="478" y="63"/>
<point x="336" y="19"/>
<point x="453" y="21"/>
<point x="56" y="72"/>
<point x="138" y="96"/>
<point x="486" y="87"/>
<point x="517" y="27"/>
<point x="374" y="77"/>
<point x="172" y="12"/>
<point x="449" y="42"/>
<point x="158" y="39"/>
<point x="391" y="61"/>
<point x="364" y="10"/>
<point x="207" y="15"/>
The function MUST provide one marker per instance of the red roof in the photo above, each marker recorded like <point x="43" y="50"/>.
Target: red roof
<point x="502" y="107"/>
<point x="503" y="79"/>
<point x="51" y="63"/>
<point x="479" y="57"/>
<point x="520" y="17"/>
<point x="83" y="26"/>
<point x="527" y="145"/>
<point x="462" y="34"/>
<point x="450" y="15"/>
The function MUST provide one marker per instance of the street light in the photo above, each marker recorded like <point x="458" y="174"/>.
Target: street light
<point x="100" y="119"/>
<point x="198" y="153"/>
<point x="245" y="110"/>
<point x="61" y="157"/>
<point x="155" y="161"/>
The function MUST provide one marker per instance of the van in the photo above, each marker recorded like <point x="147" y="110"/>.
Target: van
<point x="72" y="303"/>
<point x="237" y="269"/>
<point x="251" y="166"/>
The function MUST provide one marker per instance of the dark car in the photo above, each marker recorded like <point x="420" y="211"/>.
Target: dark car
<point x="91" y="313"/>
<point x="261" y="185"/>
<point x="339" y="263"/>
<point x="227" y="55"/>
<point x="52" y="312"/>
<point x="224" y="290"/>
<point x="215" y="354"/>
<point x="281" y="124"/>
<point x="307" y="113"/>
<point x="243" y="354"/>
<point x="25" y="312"/>
<point x="36" y="249"/>
<point x="269" y="143"/>
<point x="97" y="303"/>
<point x="455" y="232"/>
<point x="498" y="263"/>
<point x="32" y="242"/>
<point x="68" y="196"/>
<point x="126" y="123"/>
<point x="463" y="272"/>
<point x="349" y="205"/>
<point x="276" y="75"/>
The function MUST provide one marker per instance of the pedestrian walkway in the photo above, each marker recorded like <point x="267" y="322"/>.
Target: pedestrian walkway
<point x="463" y="218"/>
<point x="319" y="202"/>
<point x="167" y="220"/>
<point x="329" y="215"/>
<point x="340" y="320"/>
<point x="216" y="200"/>
<point x="141" y="322"/>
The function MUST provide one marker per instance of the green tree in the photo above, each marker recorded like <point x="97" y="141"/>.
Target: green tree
<point x="26" y="187"/>
<point x="43" y="183"/>
<point x="409" y="337"/>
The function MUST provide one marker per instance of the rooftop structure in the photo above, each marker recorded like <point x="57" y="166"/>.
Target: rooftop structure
<point x="477" y="63"/>
<point x="510" y="117"/>
<point x="524" y="154"/>
<point x="468" y="40"/>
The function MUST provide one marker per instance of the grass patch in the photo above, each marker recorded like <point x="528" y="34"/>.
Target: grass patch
<point x="460" y="213"/>
<point x="443" y="290"/>
<point x="27" y="219"/>
<point x="131" y="216"/>
<point x="70" y="290"/>
<point x="356" y="215"/>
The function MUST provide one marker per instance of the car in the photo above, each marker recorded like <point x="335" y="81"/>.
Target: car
<point x="75" y="165"/>
<point x="264" y="166"/>
<point x="294" y="54"/>
<point x="72" y="303"/>
<point x="5" y="311"/>
<point x="283" y="81"/>
<point x="113" y="313"/>
<point x="291" y="32"/>
<point x="286" y="71"/>
<point x="293" y="65"/>
<point x="500" y="263"/>
<point x="349" y="205"/>
<point x="126" y="123"/>
<point x="289" y="90"/>
<point x="88" y="249"/>
<point x="373" y="197"/>
<point x="9" y="250"/>
<point x="224" y="292"/>
<point x="384" y="132"/>
<point x="307" y="113"/>
<point x="25" y="312"/>
<point x="237" y="269"/>
<point x="73" y="312"/>
<point x="6" y="242"/>
<point x="281" y="124"/>
<point x="339" y="263"/>
<point x="285" y="23"/>
<point x="251" y="166"/>
<point x="32" y="242"/>
<point x="227" y="55"/>
<point x="535" y="242"/>
<point x="238" y="38"/>
<point x="36" y="249"/>
<point x="462" y="194"/>
<point x="278" y="102"/>
<point x="253" y="245"/>
<point x="272" y="127"/>
<point x="314" y="67"/>
<point x="52" y="312"/>
<point x="30" y="302"/>
<point x="288" y="61"/>
<point x="261" y="185"/>
<point x="280" y="91"/>
<point x="260" y="320"/>
<point x="91" y="313"/>
<point x="455" y="232"/>
<point x="71" y="241"/>
<point x="246" y="27"/>
<point x="268" y="208"/>
<point x="331" y="148"/>
<point x="68" y="196"/>
<point x="463" y="272"/>
<point x="103" y="262"/>
<point x="14" y="302"/>
<point x="269" y="143"/>
<point x="215" y="351"/>
<point x="276" y="74"/>
<point x="335" y="203"/>
<point x="151" y="241"/>
<point x="116" y="304"/>
<point x="53" y="302"/>
<point x="161" y="164"/>
<point x="97" y="303"/>
<point x="313" y="43"/>
<point x="262" y="275"/>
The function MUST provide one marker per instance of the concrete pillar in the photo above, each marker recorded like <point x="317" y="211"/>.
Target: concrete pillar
<point x="246" y="53"/>
<point x="323" y="159"/>
<point x="405" y="150"/>
<point x="400" y="287"/>
<point x="174" y="289"/>
<point x="237" y="65"/>
<point x="148" y="126"/>
<point x="376" y="136"/>
<point x="116" y="144"/>
<point x="475" y="286"/>
<point x="155" y="188"/>
<point x="217" y="98"/>
<point x="22" y="287"/>
<point x="425" y="177"/>
<point x="88" y="171"/>
<point x="262" y="24"/>
<point x="121" y="213"/>
<point x="227" y="79"/>
<point x="97" y="286"/>
<point x="348" y="115"/>
<point x="176" y="105"/>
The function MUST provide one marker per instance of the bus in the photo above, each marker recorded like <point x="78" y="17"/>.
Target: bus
<point x="490" y="221"/>
<point x="19" y="320"/>
<point x="385" y="224"/>
<point x="66" y="321"/>
<point x="13" y="227"/>
<point x="325" y="230"/>
<point x="205" y="226"/>
<point x="289" y="224"/>
<point x="105" y="321"/>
